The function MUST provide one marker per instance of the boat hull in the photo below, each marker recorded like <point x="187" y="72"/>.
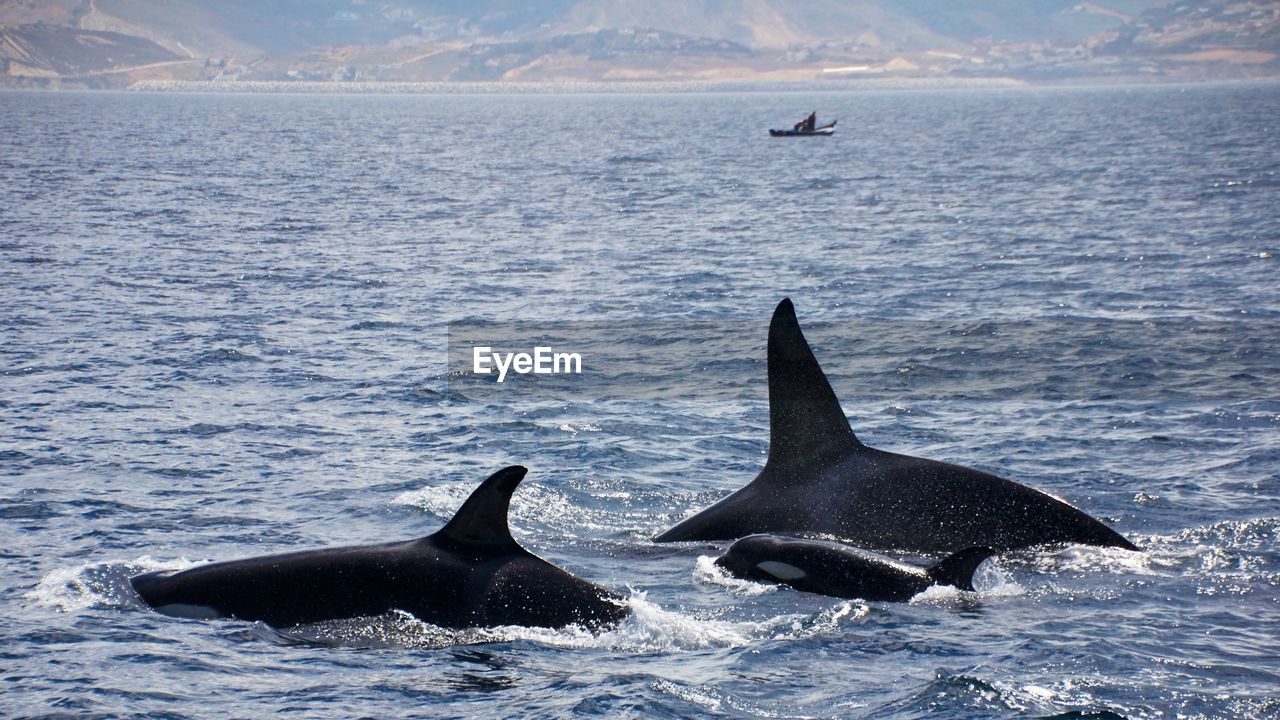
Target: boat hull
<point x="824" y="131"/>
<point x="819" y="132"/>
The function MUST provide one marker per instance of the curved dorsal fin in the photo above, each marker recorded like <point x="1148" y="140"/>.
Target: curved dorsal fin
<point x="805" y="419"/>
<point x="482" y="519"/>
<point x="957" y="568"/>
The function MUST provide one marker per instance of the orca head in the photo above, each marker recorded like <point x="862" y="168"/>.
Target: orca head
<point x="151" y="587"/>
<point x="760" y="557"/>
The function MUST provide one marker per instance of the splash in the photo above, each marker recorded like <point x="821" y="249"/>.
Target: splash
<point x="708" y="699"/>
<point x="648" y="629"/>
<point x="95" y="584"/>
<point x="827" y="622"/>
<point x="1230" y="546"/>
<point x="706" y="571"/>
<point x="534" y="505"/>
<point x="575" y="428"/>
<point x="394" y="629"/>
<point x="1255" y="534"/>
<point x="990" y="581"/>
<point x="441" y="500"/>
<point x="1087" y="559"/>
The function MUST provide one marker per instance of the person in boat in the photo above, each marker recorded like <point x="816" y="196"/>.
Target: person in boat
<point x="808" y="124"/>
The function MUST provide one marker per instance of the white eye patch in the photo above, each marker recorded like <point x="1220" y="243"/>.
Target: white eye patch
<point x="781" y="570"/>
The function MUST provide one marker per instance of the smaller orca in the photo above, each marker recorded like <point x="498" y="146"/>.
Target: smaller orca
<point x="471" y="573"/>
<point x="842" y="571"/>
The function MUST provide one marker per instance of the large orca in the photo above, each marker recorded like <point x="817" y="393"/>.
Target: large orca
<point x="819" y="479"/>
<point x="471" y="573"/>
<point x="833" y="569"/>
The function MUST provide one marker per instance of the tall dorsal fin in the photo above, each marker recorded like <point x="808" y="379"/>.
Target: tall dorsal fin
<point x="805" y="419"/>
<point x="482" y="519"/>
<point x="957" y="568"/>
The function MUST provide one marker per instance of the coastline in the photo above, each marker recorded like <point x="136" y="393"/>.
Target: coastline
<point x="618" y="87"/>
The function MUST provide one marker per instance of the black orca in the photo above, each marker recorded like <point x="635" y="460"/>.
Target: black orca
<point x="820" y="479"/>
<point x="833" y="569"/>
<point x="471" y="573"/>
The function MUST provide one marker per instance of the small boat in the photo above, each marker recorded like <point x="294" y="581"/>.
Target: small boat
<point x="824" y="131"/>
<point x="806" y="127"/>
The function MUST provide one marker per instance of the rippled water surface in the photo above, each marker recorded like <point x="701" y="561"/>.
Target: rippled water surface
<point x="224" y="330"/>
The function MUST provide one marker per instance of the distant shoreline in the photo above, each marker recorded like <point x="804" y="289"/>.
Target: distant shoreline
<point x="557" y="88"/>
<point x="607" y="87"/>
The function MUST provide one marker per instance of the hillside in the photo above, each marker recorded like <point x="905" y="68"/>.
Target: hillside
<point x="116" y="42"/>
<point x="47" y="51"/>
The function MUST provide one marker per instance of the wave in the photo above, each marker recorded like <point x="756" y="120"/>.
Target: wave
<point x="91" y="585"/>
<point x="708" y="573"/>
<point x="649" y="629"/>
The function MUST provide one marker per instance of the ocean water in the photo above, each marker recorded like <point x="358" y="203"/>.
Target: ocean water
<point x="236" y="324"/>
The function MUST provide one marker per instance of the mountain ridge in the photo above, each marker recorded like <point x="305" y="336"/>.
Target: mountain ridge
<point x="47" y="43"/>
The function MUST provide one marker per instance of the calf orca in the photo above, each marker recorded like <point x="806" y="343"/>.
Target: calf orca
<point x="471" y="573"/>
<point x="820" y="479"/>
<point x="833" y="569"/>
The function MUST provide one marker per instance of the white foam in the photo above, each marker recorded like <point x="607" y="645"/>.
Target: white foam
<point x="1213" y="547"/>
<point x="989" y="581"/>
<point x="95" y="584"/>
<point x="648" y="629"/>
<point x="941" y="595"/>
<point x="574" y="429"/>
<point x="535" y="504"/>
<point x="1090" y="559"/>
<point x="824" y="623"/>
<point x="651" y="629"/>
<point x="441" y="500"/>
<point x="706" y="571"/>
<point x="1045" y="696"/>
<point x="395" y="629"/>
<point x="694" y="695"/>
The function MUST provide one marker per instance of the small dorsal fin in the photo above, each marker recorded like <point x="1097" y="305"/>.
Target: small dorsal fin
<point x="482" y="519"/>
<point x="805" y="418"/>
<point x="957" y="568"/>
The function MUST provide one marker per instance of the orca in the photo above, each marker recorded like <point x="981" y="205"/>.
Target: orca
<point x="471" y="573"/>
<point x="819" y="479"/>
<point x="830" y="568"/>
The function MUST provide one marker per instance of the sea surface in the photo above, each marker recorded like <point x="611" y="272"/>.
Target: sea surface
<point x="232" y="325"/>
